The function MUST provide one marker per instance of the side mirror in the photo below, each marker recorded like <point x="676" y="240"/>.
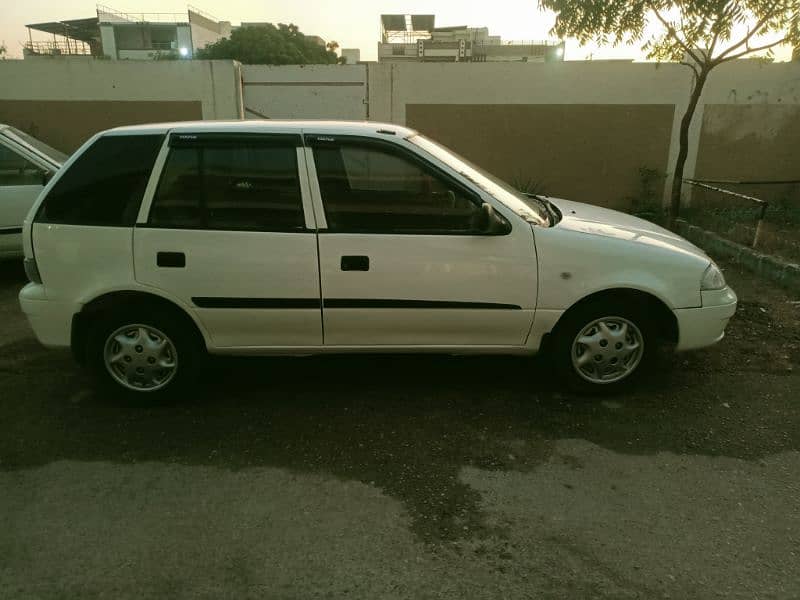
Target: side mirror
<point x="489" y="222"/>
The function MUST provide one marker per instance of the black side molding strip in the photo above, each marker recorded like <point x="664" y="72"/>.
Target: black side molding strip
<point x="256" y="302"/>
<point x="11" y="231"/>
<point x="380" y="303"/>
<point x="206" y="302"/>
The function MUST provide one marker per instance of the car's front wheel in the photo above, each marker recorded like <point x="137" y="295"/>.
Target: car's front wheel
<point x="148" y="354"/>
<point x="604" y="345"/>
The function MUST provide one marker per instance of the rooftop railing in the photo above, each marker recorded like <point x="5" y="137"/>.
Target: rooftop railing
<point x="107" y="14"/>
<point x="58" y="48"/>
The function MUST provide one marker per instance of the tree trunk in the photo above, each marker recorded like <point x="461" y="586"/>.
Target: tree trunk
<point x="683" y="148"/>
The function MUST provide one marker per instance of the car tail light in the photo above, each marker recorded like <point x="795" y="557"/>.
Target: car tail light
<point x="32" y="270"/>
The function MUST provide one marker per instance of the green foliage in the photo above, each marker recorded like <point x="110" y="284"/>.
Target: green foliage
<point x="700" y="34"/>
<point x="3" y="51"/>
<point x="269" y="45"/>
<point x="703" y="30"/>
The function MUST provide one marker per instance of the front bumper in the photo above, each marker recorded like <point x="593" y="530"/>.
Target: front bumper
<point x="50" y="320"/>
<point x="700" y="327"/>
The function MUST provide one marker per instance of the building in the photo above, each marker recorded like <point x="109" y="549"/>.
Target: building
<point x="128" y="36"/>
<point x="350" y="56"/>
<point x="415" y="38"/>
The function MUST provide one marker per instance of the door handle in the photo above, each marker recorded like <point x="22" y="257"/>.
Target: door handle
<point x="175" y="260"/>
<point x="355" y="263"/>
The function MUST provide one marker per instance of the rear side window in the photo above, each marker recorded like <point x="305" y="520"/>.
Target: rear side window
<point x="105" y="185"/>
<point x="17" y="170"/>
<point x="240" y="185"/>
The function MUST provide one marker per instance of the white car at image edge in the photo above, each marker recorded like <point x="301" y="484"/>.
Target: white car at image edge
<point x="157" y="244"/>
<point x="25" y="166"/>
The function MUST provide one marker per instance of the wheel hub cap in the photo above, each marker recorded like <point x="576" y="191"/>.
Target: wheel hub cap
<point x="607" y="350"/>
<point x="140" y="357"/>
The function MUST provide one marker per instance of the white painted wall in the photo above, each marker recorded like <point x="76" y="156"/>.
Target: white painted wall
<point x="305" y="92"/>
<point x="108" y="41"/>
<point x="381" y="92"/>
<point x="214" y="83"/>
<point x="185" y="39"/>
<point x="393" y="86"/>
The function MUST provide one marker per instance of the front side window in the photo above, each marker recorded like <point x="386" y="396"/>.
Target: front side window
<point x="532" y="209"/>
<point x="375" y="189"/>
<point x="230" y="186"/>
<point x="105" y="184"/>
<point x="17" y="170"/>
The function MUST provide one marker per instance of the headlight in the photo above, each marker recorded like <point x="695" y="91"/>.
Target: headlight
<point x="713" y="279"/>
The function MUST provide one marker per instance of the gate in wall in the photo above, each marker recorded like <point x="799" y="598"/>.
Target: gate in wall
<point x="305" y="92"/>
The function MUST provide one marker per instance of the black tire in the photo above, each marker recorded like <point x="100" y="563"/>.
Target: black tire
<point x="187" y="350"/>
<point x="580" y="317"/>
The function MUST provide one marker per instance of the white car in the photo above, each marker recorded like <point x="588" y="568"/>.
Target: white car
<point x="25" y="166"/>
<point x="157" y="243"/>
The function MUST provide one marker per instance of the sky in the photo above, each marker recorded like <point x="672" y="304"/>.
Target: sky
<point x="352" y="23"/>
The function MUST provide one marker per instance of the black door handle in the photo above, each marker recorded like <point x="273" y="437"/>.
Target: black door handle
<point x="176" y="260"/>
<point x="355" y="263"/>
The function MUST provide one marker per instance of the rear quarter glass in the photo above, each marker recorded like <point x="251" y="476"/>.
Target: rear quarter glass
<point x="104" y="186"/>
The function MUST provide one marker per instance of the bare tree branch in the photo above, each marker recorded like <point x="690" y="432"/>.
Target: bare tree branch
<point x="674" y="34"/>
<point x="752" y="50"/>
<point x="750" y="33"/>
<point x="727" y="8"/>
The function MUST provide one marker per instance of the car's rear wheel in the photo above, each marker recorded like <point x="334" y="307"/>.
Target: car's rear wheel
<point x="604" y="345"/>
<point x="144" y="354"/>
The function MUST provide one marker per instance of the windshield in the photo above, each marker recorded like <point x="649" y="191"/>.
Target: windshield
<point x="41" y="147"/>
<point x="529" y="208"/>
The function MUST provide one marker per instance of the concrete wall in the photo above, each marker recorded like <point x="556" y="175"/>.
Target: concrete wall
<point x="580" y="140"/>
<point x="311" y="91"/>
<point x="63" y="101"/>
<point x="184" y="39"/>
<point x="582" y="129"/>
<point x="586" y="152"/>
<point x="206" y="31"/>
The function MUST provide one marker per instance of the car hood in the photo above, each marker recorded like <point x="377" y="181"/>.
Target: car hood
<point x="595" y="220"/>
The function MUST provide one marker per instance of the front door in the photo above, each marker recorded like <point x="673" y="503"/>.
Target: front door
<point x="20" y="183"/>
<point x="229" y="235"/>
<point x="401" y="260"/>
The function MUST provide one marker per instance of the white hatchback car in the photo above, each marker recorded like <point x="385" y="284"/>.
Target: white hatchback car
<point x="25" y="166"/>
<point x="157" y="243"/>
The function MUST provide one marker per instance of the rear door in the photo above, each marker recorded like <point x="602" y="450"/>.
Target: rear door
<point x="230" y="232"/>
<point x="401" y="258"/>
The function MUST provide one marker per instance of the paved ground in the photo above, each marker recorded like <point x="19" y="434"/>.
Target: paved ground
<point x="411" y="477"/>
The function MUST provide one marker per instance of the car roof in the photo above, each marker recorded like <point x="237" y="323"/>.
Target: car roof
<point x="360" y="128"/>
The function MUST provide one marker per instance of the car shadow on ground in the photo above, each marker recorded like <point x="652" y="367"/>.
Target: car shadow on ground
<point x="405" y="424"/>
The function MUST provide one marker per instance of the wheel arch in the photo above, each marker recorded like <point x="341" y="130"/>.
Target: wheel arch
<point x="663" y="316"/>
<point x="121" y="300"/>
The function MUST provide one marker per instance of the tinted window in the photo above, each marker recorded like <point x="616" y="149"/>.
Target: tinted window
<point x="236" y="186"/>
<point x="17" y="170"/>
<point x="376" y="190"/>
<point x="105" y="185"/>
